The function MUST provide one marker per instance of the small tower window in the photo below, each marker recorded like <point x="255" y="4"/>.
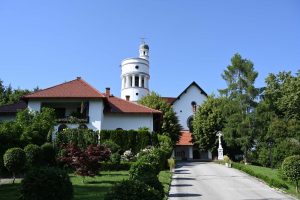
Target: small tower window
<point x="194" y="106"/>
<point x="137" y="67"/>
<point x="137" y="94"/>
<point x="136" y="81"/>
<point x="143" y="82"/>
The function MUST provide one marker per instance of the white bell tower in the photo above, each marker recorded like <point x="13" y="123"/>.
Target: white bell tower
<point x="135" y="75"/>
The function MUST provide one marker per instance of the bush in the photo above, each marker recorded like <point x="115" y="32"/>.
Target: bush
<point x="291" y="168"/>
<point x="48" y="154"/>
<point x="132" y="190"/>
<point x="114" y="148"/>
<point x="46" y="184"/>
<point x="14" y="160"/>
<point x="128" y="156"/>
<point x="226" y="159"/>
<point x="146" y="173"/>
<point x="33" y="155"/>
<point x="122" y="166"/>
<point x="115" y="158"/>
<point x="171" y="163"/>
<point x="82" y="138"/>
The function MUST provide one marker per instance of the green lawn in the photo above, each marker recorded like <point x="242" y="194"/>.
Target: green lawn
<point x="271" y="174"/>
<point x="93" y="188"/>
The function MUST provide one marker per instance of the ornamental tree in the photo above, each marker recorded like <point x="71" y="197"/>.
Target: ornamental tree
<point x="291" y="168"/>
<point x="14" y="161"/>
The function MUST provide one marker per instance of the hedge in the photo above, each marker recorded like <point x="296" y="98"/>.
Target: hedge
<point x="109" y="166"/>
<point x="129" y="139"/>
<point x="270" y="181"/>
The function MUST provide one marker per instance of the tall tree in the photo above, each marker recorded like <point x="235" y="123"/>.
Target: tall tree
<point x="240" y="78"/>
<point x="170" y="124"/>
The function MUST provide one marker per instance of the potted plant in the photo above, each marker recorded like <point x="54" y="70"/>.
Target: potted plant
<point x="227" y="161"/>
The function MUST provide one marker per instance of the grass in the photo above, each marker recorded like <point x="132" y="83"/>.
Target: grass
<point x="93" y="188"/>
<point x="268" y="175"/>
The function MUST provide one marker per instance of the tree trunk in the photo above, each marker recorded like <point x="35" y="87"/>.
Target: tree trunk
<point x="14" y="177"/>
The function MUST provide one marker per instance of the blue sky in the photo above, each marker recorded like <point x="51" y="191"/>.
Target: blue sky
<point x="43" y="43"/>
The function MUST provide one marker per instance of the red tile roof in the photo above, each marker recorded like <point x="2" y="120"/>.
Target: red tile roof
<point x="77" y="88"/>
<point x="185" y="139"/>
<point x="169" y="100"/>
<point x="117" y="105"/>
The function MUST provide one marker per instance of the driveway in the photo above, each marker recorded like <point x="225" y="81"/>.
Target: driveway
<point x="210" y="181"/>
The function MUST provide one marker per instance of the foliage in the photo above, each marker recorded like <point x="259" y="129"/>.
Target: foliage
<point x="82" y="138"/>
<point x="14" y="160"/>
<point x="33" y="155"/>
<point x="171" y="163"/>
<point x="85" y="163"/>
<point x="226" y="159"/>
<point x="48" y="154"/>
<point x="9" y="95"/>
<point x="115" y="158"/>
<point x="128" y="156"/>
<point x="127" y="139"/>
<point x="132" y="190"/>
<point x="209" y="119"/>
<point x="291" y="168"/>
<point x="114" y="148"/>
<point x="46" y="184"/>
<point x="169" y="124"/>
<point x="109" y="166"/>
<point x="146" y="172"/>
<point x="35" y="125"/>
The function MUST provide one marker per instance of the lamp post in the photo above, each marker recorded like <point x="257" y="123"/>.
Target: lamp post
<point x="220" y="149"/>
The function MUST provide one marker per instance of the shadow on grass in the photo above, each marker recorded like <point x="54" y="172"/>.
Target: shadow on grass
<point x="101" y="182"/>
<point x="88" y="192"/>
<point x="10" y="191"/>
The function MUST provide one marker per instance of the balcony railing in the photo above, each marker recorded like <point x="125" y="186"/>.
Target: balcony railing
<point x="73" y="120"/>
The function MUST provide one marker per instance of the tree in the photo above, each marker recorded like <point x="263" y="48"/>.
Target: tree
<point x="8" y="95"/>
<point x="240" y="77"/>
<point x="291" y="168"/>
<point x="209" y="118"/>
<point x="85" y="162"/>
<point x="14" y="160"/>
<point x="170" y="125"/>
<point x="33" y="155"/>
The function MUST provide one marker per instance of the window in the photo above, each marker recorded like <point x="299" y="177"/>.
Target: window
<point x="137" y="67"/>
<point x="60" y="113"/>
<point x="136" y="81"/>
<point x="137" y="94"/>
<point x="194" y="106"/>
<point x="143" y="82"/>
<point x="190" y="123"/>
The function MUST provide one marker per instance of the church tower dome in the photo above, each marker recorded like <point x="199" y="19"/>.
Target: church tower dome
<point x="135" y="75"/>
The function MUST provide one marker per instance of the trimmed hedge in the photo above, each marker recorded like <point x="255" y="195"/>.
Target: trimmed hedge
<point x="33" y="155"/>
<point x="128" y="139"/>
<point x="109" y="166"/>
<point x="270" y="181"/>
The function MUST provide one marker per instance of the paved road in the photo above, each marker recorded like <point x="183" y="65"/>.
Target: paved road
<point x="210" y="181"/>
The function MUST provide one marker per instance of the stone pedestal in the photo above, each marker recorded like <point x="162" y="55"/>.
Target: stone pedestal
<point x="220" y="154"/>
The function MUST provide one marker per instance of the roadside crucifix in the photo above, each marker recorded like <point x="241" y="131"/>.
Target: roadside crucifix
<point x="220" y="149"/>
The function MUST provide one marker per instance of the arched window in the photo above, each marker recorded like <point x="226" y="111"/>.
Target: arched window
<point x="190" y="123"/>
<point x="61" y="127"/>
<point x="194" y="106"/>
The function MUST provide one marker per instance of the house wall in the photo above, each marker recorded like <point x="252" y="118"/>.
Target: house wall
<point x="7" y="117"/>
<point x="183" y="107"/>
<point x="96" y="114"/>
<point x="34" y="105"/>
<point x="113" y="121"/>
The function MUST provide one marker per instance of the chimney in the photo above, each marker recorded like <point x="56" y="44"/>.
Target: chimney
<point x="127" y="97"/>
<point x="107" y="92"/>
<point x="78" y="77"/>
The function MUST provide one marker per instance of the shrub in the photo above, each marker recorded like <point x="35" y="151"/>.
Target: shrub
<point x="291" y="168"/>
<point x="122" y="166"/>
<point x="171" y="163"/>
<point x="85" y="163"/>
<point x="128" y="156"/>
<point x="46" y="184"/>
<point x="146" y="173"/>
<point x="153" y="159"/>
<point x="48" y="154"/>
<point x="82" y="138"/>
<point x="226" y="159"/>
<point x="33" y="155"/>
<point x="115" y="158"/>
<point x="14" y="161"/>
<point x="132" y="190"/>
<point x="114" y="148"/>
